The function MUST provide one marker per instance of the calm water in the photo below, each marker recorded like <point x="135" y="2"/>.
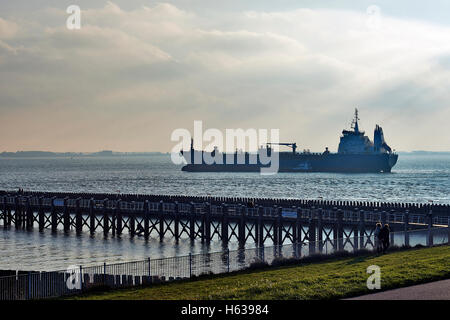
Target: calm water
<point x="414" y="179"/>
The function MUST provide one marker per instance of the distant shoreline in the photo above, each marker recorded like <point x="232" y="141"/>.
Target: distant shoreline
<point x="44" y="154"/>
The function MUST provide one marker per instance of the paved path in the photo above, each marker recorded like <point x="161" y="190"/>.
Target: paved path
<point x="439" y="290"/>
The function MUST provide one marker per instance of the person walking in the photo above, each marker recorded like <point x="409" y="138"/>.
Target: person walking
<point x="378" y="242"/>
<point x="384" y="236"/>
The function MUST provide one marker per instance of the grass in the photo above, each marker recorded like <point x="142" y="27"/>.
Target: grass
<point x="338" y="278"/>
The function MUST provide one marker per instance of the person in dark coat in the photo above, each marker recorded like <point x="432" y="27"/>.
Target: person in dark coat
<point x="384" y="237"/>
<point x="378" y="242"/>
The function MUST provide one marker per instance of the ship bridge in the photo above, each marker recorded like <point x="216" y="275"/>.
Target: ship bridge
<point x="355" y="141"/>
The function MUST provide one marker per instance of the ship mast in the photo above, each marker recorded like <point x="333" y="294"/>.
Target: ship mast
<point x="355" y="125"/>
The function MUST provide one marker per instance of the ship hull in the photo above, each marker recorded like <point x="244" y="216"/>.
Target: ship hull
<point x="338" y="163"/>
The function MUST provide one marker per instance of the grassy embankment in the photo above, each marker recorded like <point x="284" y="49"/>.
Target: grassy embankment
<point x="333" y="279"/>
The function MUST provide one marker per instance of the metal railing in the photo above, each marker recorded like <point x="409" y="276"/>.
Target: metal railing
<point x="78" y="279"/>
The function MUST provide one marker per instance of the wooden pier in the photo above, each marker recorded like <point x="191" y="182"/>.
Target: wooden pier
<point x="261" y="221"/>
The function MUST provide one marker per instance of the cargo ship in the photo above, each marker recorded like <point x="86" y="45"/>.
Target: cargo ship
<point x="356" y="154"/>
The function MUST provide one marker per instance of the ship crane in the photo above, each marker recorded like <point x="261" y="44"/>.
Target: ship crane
<point x="293" y="145"/>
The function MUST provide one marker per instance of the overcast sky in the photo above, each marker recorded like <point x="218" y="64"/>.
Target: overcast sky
<point x="137" y="70"/>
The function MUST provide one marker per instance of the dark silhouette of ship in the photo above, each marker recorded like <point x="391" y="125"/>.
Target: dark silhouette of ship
<point x="356" y="154"/>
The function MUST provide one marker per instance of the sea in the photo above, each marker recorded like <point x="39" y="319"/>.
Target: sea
<point x="417" y="178"/>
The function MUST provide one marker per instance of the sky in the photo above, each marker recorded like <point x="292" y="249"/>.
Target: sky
<point x="138" y="70"/>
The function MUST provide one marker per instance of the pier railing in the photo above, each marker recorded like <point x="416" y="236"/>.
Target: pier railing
<point x="79" y="279"/>
<point x="438" y="209"/>
<point x="233" y="209"/>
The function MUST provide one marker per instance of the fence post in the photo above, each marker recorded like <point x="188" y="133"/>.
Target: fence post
<point x="29" y="286"/>
<point x="104" y="273"/>
<point x="149" y="268"/>
<point x="190" y="265"/>
<point x="81" y="278"/>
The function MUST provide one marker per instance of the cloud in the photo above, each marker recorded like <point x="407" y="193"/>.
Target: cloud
<point x="145" y="71"/>
<point x="7" y="29"/>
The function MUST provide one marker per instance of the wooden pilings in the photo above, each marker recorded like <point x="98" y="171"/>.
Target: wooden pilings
<point x="312" y="235"/>
<point x="192" y="223"/>
<point x="260" y="227"/>
<point x="225" y="224"/>
<point x="355" y="231"/>
<point x="41" y="214"/>
<point x="276" y="226"/>
<point x="161" y="222"/>
<point x="146" y="220"/>
<point x="106" y="217"/>
<point x="298" y="227"/>
<point x="176" y="222"/>
<point x="78" y="217"/>
<point x="132" y="225"/>
<point x="66" y="217"/>
<point x="17" y="214"/>
<point x="207" y="223"/>
<point x="29" y="215"/>
<point x="92" y="224"/>
<point x="340" y="230"/>
<point x="362" y="228"/>
<point x="118" y="213"/>
<point x="54" y="216"/>
<point x="320" y="229"/>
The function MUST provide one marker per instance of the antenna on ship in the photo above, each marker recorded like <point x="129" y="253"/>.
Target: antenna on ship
<point x="355" y="125"/>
